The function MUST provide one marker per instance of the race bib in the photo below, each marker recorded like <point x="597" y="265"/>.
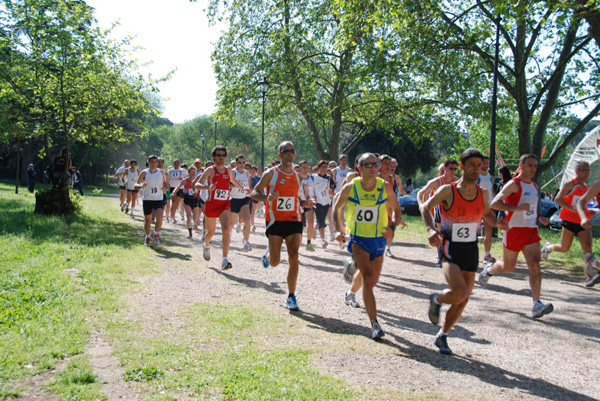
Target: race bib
<point x="464" y="232"/>
<point x="153" y="190"/>
<point x="366" y="215"/>
<point x="221" y="194"/>
<point x="239" y="191"/>
<point x="575" y="200"/>
<point x="531" y="214"/>
<point x="324" y="193"/>
<point x="285" y="204"/>
<point x="191" y="192"/>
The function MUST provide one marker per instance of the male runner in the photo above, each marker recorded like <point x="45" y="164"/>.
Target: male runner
<point x="121" y="184"/>
<point x="307" y="192"/>
<point x="283" y="215"/>
<point x="591" y="263"/>
<point x="152" y="180"/>
<point x="519" y="198"/>
<point x="486" y="182"/>
<point x="218" y="203"/>
<point x="176" y="175"/>
<point x="190" y="199"/>
<point x="322" y="187"/>
<point x="368" y="226"/>
<point x="130" y="176"/>
<point x="240" y="200"/>
<point x="462" y="206"/>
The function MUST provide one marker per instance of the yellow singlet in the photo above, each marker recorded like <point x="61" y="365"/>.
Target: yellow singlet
<point x="367" y="215"/>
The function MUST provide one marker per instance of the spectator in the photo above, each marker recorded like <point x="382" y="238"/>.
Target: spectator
<point x="408" y="186"/>
<point x="61" y="164"/>
<point x="77" y="180"/>
<point x="31" y="175"/>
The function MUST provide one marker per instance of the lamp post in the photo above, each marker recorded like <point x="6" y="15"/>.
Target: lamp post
<point x="492" y="168"/>
<point x="264" y="86"/>
<point x="216" y="122"/>
<point x="202" y="137"/>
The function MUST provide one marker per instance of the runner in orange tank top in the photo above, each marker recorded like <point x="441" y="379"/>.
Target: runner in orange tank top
<point x="463" y="205"/>
<point x="567" y="199"/>
<point x="283" y="215"/>
<point x="591" y="263"/>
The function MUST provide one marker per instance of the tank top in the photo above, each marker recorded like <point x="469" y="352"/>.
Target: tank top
<point x="153" y="191"/>
<point x="486" y="182"/>
<point x="222" y="181"/>
<point x="571" y="199"/>
<point x="309" y="181"/>
<point x="366" y="214"/>
<point x="119" y="174"/>
<point x="527" y="193"/>
<point x="189" y="191"/>
<point x="176" y="176"/>
<point x="244" y="179"/>
<point x="287" y="206"/>
<point x="340" y="174"/>
<point x="462" y="220"/>
<point x="322" y="189"/>
<point x="132" y="177"/>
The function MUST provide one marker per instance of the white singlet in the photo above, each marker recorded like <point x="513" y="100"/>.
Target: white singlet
<point x="153" y="191"/>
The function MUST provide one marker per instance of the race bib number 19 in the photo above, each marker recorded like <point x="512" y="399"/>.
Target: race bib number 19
<point x="464" y="232"/>
<point x="363" y="214"/>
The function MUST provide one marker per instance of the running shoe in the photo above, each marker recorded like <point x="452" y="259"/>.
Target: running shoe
<point x="189" y="236"/>
<point x="123" y="207"/>
<point x="237" y="228"/>
<point x="434" y="310"/>
<point x="441" y="341"/>
<point x="489" y="259"/>
<point x="314" y="234"/>
<point x="376" y="332"/>
<point x="226" y="265"/>
<point x="203" y="235"/>
<point x="126" y="210"/>
<point x="196" y="227"/>
<point x="485" y="275"/>
<point x="147" y="241"/>
<point x="332" y="238"/>
<point x="342" y="245"/>
<point x="539" y="309"/>
<point x="545" y="250"/>
<point x="590" y="264"/>
<point x="131" y="215"/>
<point x="182" y="217"/>
<point x="247" y="246"/>
<point x="265" y="259"/>
<point x="253" y="229"/>
<point x="592" y="281"/>
<point x="350" y="269"/>
<point x="324" y="244"/>
<point x="388" y="253"/>
<point x="291" y="304"/>
<point x="350" y="300"/>
<point x="206" y="252"/>
<point x="174" y="220"/>
<point x="310" y="247"/>
<point x="156" y="239"/>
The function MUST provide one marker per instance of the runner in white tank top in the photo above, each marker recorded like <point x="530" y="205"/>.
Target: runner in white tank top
<point x="152" y="180"/>
<point x="131" y="176"/>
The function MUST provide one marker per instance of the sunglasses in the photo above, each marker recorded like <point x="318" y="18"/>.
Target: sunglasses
<point x="371" y="164"/>
<point x="451" y="168"/>
<point x="241" y="162"/>
<point x="286" y="151"/>
<point x="220" y="154"/>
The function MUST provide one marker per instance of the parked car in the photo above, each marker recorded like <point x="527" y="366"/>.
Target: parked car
<point x="548" y="208"/>
<point x="556" y="222"/>
<point x="409" y="203"/>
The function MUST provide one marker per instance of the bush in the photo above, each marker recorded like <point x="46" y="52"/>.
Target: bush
<point x="56" y="200"/>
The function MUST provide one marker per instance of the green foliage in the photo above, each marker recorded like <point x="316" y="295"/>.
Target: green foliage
<point x="144" y="374"/>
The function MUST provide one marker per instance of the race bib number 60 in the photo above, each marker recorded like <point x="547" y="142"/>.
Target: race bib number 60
<point x="285" y="203"/>
<point x="221" y="194"/>
<point x="363" y="214"/>
<point x="464" y="232"/>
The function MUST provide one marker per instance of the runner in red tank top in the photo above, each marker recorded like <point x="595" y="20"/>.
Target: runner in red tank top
<point x="283" y="215"/>
<point x="567" y="199"/>
<point x="217" y="204"/>
<point x="591" y="264"/>
<point x="462" y="204"/>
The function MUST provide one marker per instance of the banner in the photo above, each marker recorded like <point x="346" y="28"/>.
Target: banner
<point x="587" y="150"/>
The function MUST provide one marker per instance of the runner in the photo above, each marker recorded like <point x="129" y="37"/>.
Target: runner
<point x="447" y="172"/>
<point x="240" y="200"/>
<point x="463" y="205"/>
<point x="176" y="175"/>
<point x="130" y="176"/>
<point x="395" y="179"/>
<point x="166" y="192"/>
<point x="486" y="182"/>
<point x="190" y="200"/>
<point x="307" y="192"/>
<point x="254" y="178"/>
<point x="369" y="227"/>
<point x="218" y="202"/>
<point x="519" y="198"/>
<point x="591" y="263"/>
<point x="152" y="180"/>
<point x="322" y="187"/>
<point x="283" y="216"/>
<point x="122" y="184"/>
<point x="386" y="174"/>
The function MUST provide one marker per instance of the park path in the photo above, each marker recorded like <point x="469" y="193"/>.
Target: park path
<point x="500" y="351"/>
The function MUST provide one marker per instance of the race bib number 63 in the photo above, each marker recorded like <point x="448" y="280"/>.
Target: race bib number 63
<point x="464" y="232"/>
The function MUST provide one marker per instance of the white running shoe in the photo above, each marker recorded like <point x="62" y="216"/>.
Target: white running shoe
<point x="247" y="246"/>
<point x="156" y="239"/>
<point x="388" y="253"/>
<point x="592" y="281"/>
<point x="332" y="238"/>
<point x="174" y="220"/>
<point x="590" y="264"/>
<point x="489" y="259"/>
<point x="324" y="244"/>
<point x="147" y="241"/>
<point x="350" y="300"/>
<point x="253" y="229"/>
<point x="485" y="275"/>
<point x="206" y="252"/>
<point x="226" y="265"/>
<point x="131" y="215"/>
<point x="545" y="250"/>
<point x="123" y="207"/>
<point x="539" y="309"/>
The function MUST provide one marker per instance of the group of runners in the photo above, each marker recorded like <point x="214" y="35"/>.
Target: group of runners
<point x="362" y="207"/>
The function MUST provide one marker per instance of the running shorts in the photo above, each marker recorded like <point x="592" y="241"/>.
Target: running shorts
<point x="321" y="213"/>
<point x="573" y="227"/>
<point x="213" y="209"/>
<point x="237" y="204"/>
<point x="133" y="190"/>
<point x="374" y="246"/>
<point x="283" y="228"/>
<point x="465" y="255"/>
<point x="150" y="206"/>
<point x="191" y="201"/>
<point x="517" y="238"/>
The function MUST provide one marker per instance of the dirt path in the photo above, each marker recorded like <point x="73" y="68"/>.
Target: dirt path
<point x="500" y="351"/>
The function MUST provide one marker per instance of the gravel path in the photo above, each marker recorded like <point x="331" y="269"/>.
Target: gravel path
<point x="500" y="351"/>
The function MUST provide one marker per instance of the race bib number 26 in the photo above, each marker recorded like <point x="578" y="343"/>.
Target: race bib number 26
<point x="285" y="203"/>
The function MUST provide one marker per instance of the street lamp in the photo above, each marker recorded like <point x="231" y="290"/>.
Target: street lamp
<point x="202" y="137"/>
<point x="264" y="87"/>
<point x="216" y="122"/>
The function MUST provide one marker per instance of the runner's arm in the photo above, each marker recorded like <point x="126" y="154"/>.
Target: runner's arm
<point x="395" y="206"/>
<point x="431" y="186"/>
<point x="140" y="181"/>
<point x="258" y="191"/>
<point x="338" y="204"/>
<point x="442" y="194"/>
<point x="208" y="174"/>
<point x="562" y="193"/>
<point x="592" y="192"/>
<point x="508" y="189"/>
<point x="488" y="216"/>
<point x="232" y="179"/>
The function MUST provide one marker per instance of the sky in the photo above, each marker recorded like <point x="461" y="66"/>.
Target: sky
<point x="175" y="35"/>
